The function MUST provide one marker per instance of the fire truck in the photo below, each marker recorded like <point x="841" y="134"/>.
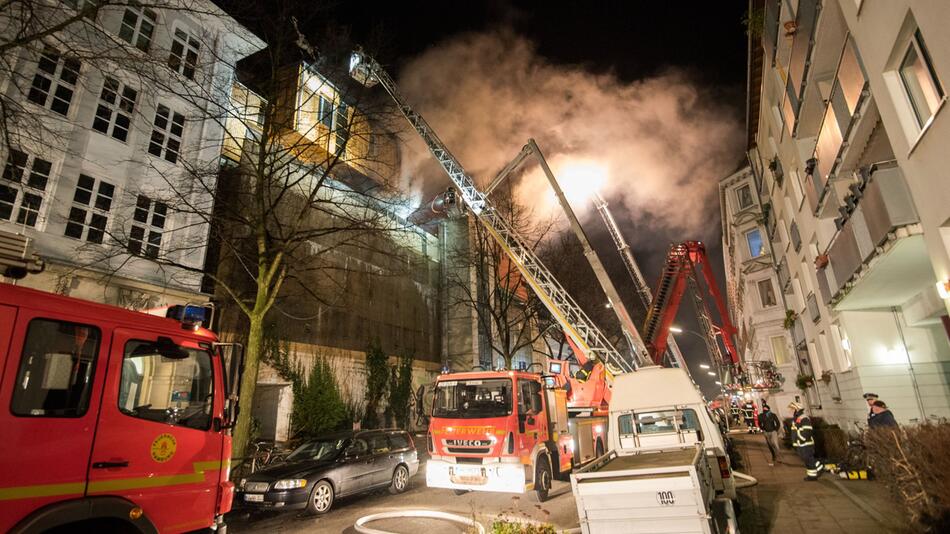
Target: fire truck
<point x="113" y="420"/>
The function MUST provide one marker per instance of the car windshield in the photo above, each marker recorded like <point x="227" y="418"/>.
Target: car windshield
<point x="469" y="399"/>
<point x="318" y="450"/>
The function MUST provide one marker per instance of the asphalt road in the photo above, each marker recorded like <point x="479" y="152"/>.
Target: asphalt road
<point x="559" y="510"/>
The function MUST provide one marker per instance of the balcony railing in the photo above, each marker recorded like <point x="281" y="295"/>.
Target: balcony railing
<point x="795" y="236"/>
<point x="813" y="311"/>
<point x="784" y="278"/>
<point x="879" y="204"/>
<point x="798" y="63"/>
<point x="847" y="94"/>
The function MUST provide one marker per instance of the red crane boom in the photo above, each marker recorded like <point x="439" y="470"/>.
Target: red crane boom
<point x="682" y="261"/>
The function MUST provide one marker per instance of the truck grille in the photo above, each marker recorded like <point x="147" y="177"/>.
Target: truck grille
<point x="469" y="450"/>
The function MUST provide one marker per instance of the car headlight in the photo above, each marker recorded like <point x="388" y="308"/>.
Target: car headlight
<point x="242" y="483"/>
<point x="290" y="483"/>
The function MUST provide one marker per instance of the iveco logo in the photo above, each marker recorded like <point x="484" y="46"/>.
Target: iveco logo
<point x="467" y="442"/>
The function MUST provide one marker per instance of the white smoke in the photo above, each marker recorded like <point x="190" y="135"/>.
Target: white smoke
<point x="663" y="141"/>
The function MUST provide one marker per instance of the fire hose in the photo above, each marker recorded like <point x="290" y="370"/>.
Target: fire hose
<point x="426" y="514"/>
<point x="746" y="482"/>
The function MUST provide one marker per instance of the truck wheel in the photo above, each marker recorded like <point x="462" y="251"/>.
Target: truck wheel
<point x="400" y="481"/>
<point x="321" y="498"/>
<point x="542" y="478"/>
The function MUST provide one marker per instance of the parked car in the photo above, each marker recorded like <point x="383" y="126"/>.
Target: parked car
<point x="336" y="465"/>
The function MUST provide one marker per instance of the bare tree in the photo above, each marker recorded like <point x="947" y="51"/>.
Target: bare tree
<point x="305" y="180"/>
<point x="508" y="312"/>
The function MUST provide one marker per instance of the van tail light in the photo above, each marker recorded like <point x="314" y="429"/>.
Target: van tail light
<point x="724" y="467"/>
<point x="429" y="442"/>
<point x="511" y="443"/>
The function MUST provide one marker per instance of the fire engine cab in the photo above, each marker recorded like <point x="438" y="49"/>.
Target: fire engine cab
<point x="113" y="420"/>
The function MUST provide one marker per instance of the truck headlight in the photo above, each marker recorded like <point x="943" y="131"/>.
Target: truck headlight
<point x="242" y="483"/>
<point x="290" y="483"/>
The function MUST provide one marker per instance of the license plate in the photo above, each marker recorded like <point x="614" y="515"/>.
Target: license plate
<point x="253" y="498"/>
<point x="468" y="475"/>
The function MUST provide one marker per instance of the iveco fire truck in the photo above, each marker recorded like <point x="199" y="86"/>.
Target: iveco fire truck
<point x="113" y="420"/>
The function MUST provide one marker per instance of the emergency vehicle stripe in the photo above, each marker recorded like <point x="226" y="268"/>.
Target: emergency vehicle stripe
<point x="102" y="486"/>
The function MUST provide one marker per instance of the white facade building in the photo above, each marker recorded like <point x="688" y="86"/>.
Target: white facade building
<point x="752" y="289"/>
<point x="121" y="101"/>
<point x="848" y="143"/>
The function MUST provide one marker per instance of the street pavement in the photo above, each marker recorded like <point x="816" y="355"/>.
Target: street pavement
<point x="780" y="503"/>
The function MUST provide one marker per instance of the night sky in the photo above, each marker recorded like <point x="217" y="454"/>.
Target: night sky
<point x="632" y="40"/>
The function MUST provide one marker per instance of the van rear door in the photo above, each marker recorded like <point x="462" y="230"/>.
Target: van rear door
<point x="49" y="397"/>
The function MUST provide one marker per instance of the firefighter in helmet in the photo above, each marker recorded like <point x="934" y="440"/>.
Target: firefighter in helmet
<point x="804" y="441"/>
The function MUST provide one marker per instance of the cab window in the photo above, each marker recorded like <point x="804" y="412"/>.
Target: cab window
<point x="172" y="385"/>
<point x="56" y="369"/>
<point x="529" y="397"/>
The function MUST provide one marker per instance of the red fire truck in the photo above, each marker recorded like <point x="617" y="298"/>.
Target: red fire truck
<point x="507" y="431"/>
<point x="112" y="420"/>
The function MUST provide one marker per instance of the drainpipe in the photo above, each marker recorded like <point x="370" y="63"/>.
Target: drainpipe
<point x="910" y="366"/>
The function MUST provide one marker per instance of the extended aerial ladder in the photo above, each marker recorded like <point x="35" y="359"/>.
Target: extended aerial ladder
<point x="678" y="273"/>
<point x="583" y="333"/>
<point x="633" y="269"/>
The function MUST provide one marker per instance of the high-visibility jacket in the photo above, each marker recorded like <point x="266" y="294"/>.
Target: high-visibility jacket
<point x="802" y="433"/>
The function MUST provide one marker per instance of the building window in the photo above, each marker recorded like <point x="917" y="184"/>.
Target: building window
<point x="166" y="135"/>
<point x="779" y="350"/>
<point x="325" y="112"/>
<point x="342" y="128"/>
<point x="89" y="213"/>
<point x="920" y="80"/>
<point x="754" y="240"/>
<point x="744" y="196"/>
<point x="23" y="187"/>
<point x="137" y="26"/>
<point x="183" y="58"/>
<point x="114" y="114"/>
<point x="767" y="293"/>
<point x="148" y="223"/>
<point x="55" y="81"/>
<point x="86" y="7"/>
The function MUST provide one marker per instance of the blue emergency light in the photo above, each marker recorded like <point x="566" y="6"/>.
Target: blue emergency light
<point x="189" y="314"/>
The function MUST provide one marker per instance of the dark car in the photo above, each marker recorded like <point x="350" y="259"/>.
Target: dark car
<point x="336" y="465"/>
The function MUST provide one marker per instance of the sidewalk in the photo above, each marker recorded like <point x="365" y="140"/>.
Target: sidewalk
<point x="784" y="503"/>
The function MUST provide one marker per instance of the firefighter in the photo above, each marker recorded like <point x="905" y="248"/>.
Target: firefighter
<point x="804" y="442"/>
<point x="748" y="414"/>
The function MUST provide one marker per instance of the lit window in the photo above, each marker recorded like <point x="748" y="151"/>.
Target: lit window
<point x="23" y="187"/>
<point x="148" y="223"/>
<point x="779" y="350"/>
<point x="55" y="81"/>
<point x="767" y="293"/>
<point x="920" y="80"/>
<point x="116" y="104"/>
<point x="183" y="58"/>
<point x="744" y="196"/>
<point x="166" y="135"/>
<point x="90" y="210"/>
<point x="137" y="26"/>
<point x="754" y="239"/>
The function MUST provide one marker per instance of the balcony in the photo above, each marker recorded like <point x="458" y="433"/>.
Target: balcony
<point x="803" y="29"/>
<point x="878" y="257"/>
<point x="795" y="236"/>
<point x="784" y="278"/>
<point x="813" y="311"/>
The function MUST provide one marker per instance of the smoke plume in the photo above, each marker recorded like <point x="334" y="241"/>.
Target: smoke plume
<point x="663" y="141"/>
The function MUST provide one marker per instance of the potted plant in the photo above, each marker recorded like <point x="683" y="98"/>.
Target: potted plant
<point x="821" y="261"/>
<point x="804" y="382"/>
<point x="790" y="318"/>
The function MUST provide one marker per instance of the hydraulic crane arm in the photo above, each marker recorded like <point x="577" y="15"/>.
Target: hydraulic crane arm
<point x="679" y="271"/>
<point x="576" y="324"/>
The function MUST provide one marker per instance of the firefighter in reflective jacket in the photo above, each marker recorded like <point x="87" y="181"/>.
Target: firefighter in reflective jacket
<point x="804" y="442"/>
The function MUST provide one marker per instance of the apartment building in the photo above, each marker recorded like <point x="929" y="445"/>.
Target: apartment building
<point x="114" y="103"/>
<point x="847" y="144"/>
<point x="752" y="290"/>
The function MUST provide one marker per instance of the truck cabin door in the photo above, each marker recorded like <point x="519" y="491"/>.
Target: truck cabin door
<point x="159" y="440"/>
<point x="49" y="397"/>
<point x="532" y="425"/>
